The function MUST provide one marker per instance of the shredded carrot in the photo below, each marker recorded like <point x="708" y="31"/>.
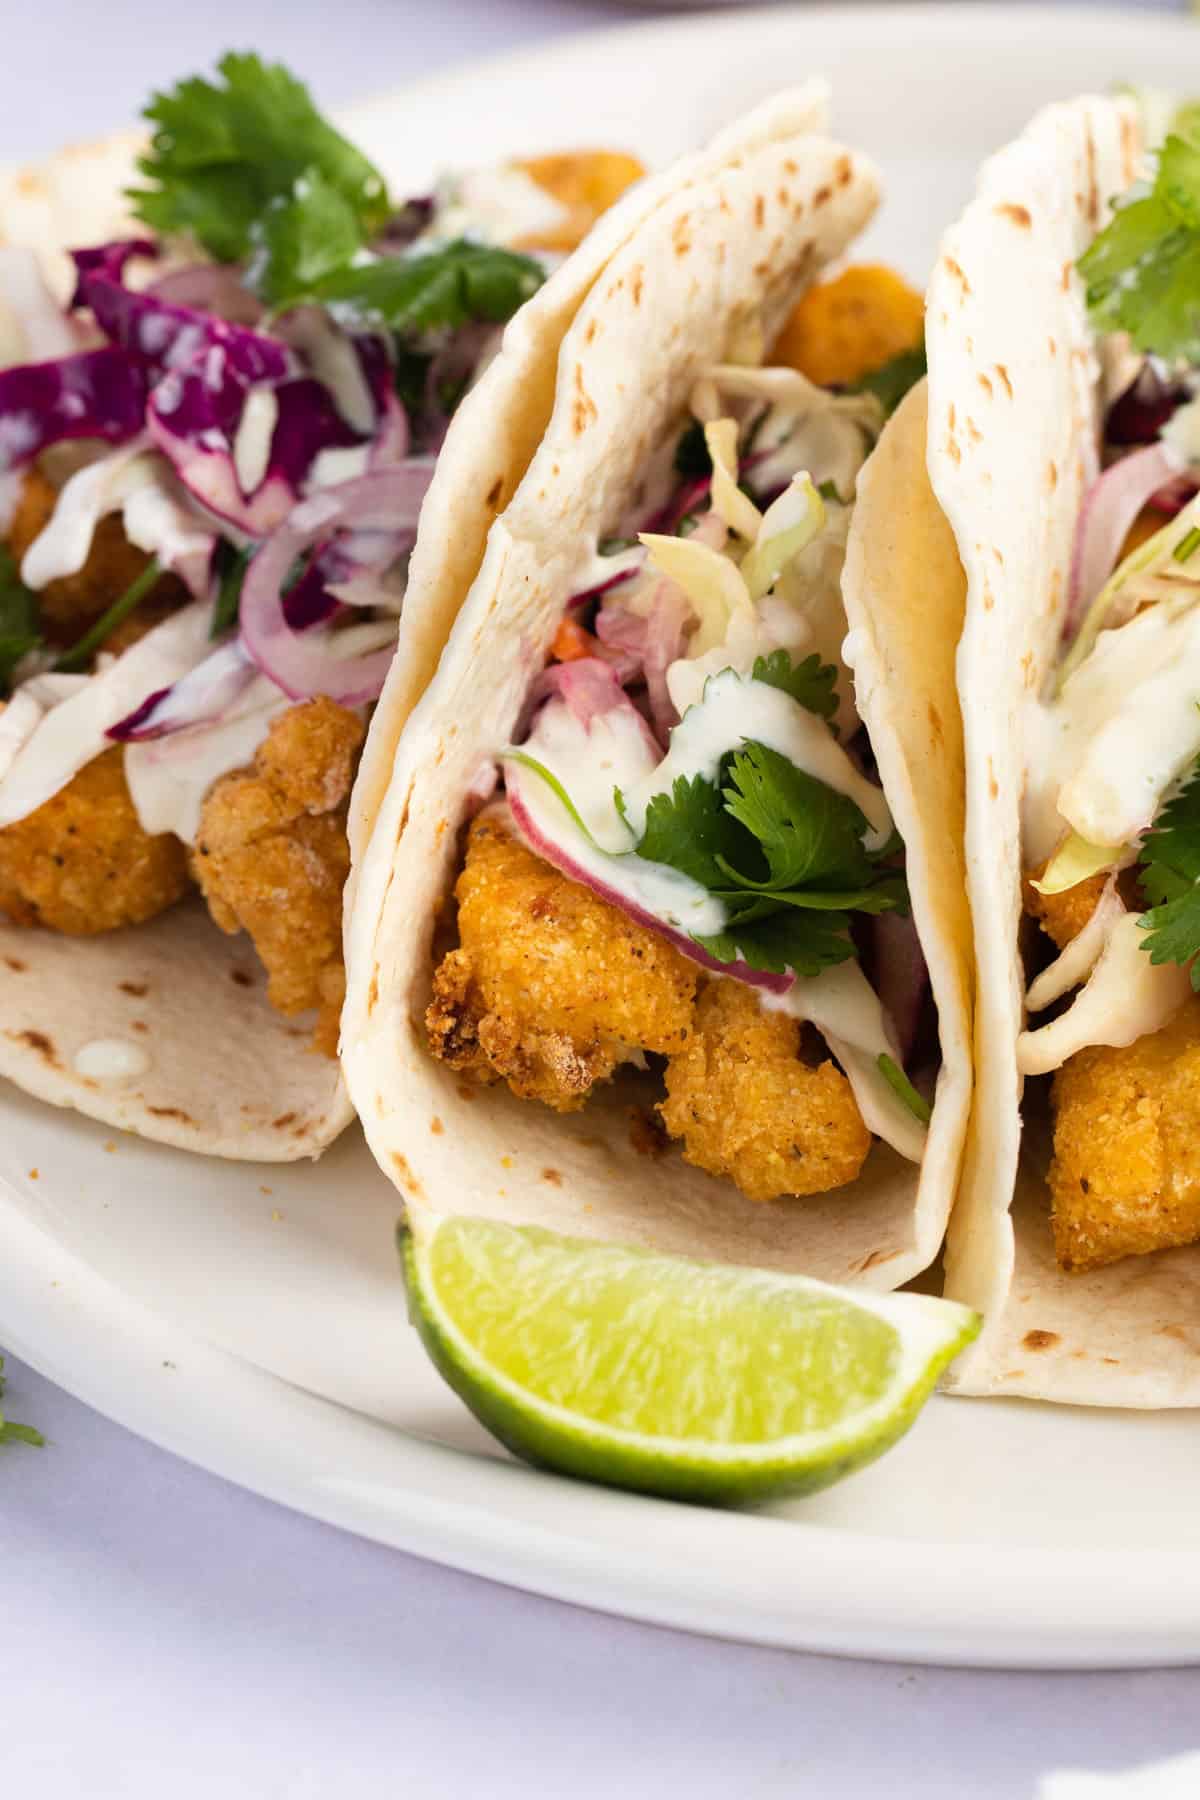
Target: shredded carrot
<point x="571" y="642"/>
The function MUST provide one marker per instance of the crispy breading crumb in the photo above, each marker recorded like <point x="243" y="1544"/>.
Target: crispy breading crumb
<point x="585" y="183"/>
<point x="81" y="864"/>
<point x="1063" y="916"/>
<point x="747" y="1106"/>
<point x="1125" y="1178"/>
<point x="550" y="988"/>
<point x="272" y="858"/>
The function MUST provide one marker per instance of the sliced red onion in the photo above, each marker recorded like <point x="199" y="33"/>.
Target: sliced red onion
<point x="588" y="687"/>
<point x="95" y="394"/>
<point x="304" y="663"/>
<point x="1110" y="507"/>
<point x="668" y="518"/>
<point x="600" y="588"/>
<point x="201" y="696"/>
<point x="212" y="288"/>
<point x="554" y="854"/>
<point x="1138" y="415"/>
<point x="666" y="635"/>
<point x="901" y="975"/>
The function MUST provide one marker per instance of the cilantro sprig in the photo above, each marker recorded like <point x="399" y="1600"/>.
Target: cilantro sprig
<point x="1170" y="877"/>
<point x="248" y="167"/>
<point x="225" y="152"/>
<point x="891" y="381"/>
<point x="19" y="629"/>
<point x="1143" y="270"/>
<point x="782" y="851"/>
<point x="10" y="1431"/>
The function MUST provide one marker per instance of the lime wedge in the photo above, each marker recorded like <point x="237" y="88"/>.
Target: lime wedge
<point x="695" y="1380"/>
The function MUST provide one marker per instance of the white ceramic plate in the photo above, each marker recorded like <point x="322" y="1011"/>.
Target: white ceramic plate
<point x="252" y="1319"/>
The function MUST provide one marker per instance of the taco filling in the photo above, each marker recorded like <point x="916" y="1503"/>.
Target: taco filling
<point x="692" y="867"/>
<point x="210" y="478"/>
<point x="1112" y="801"/>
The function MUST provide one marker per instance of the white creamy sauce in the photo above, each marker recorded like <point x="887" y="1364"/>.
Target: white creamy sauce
<point x="252" y="440"/>
<point x="18" y="721"/>
<point x="614" y="751"/>
<point x="73" y="732"/>
<point x="110" y="1059"/>
<point x="500" y="206"/>
<point x="1182" y="432"/>
<point x="736" y="707"/>
<point x="846" y="1010"/>
<point x="170" y="777"/>
<point x="157" y="518"/>
<point x="1101" y="756"/>
<point x="1126" y="996"/>
<point x="1081" y="955"/>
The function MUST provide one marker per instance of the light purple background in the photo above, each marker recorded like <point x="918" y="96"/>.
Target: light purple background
<point x="164" y="1636"/>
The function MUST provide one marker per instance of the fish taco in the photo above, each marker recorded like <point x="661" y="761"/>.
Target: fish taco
<point x="660" y="933"/>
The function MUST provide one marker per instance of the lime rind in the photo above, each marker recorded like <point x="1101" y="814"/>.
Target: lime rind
<point x="929" y="1333"/>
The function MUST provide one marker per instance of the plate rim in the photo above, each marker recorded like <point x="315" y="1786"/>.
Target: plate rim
<point x="928" y="1603"/>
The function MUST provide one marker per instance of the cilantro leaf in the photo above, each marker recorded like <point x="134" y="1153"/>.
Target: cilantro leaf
<point x="437" y="289"/>
<point x="891" y="380"/>
<point x="811" y="682"/>
<point x="19" y="633"/>
<point x="223" y="151"/>
<point x="10" y="1431"/>
<point x="301" y="239"/>
<point x="691" y="830"/>
<point x="784" y="940"/>
<point x="782" y="851"/>
<point x="1170" y="876"/>
<point x="1143" y="270"/>
<point x="810" y="835"/>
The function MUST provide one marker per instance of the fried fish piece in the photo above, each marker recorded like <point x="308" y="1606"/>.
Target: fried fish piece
<point x="551" y="988"/>
<point x="81" y="864"/>
<point x="585" y="183"/>
<point x="747" y="1105"/>
<point x="272" y="858"/>
<point x="68" y="605"/>
<point x="1063" y="916"/>
<point x="844" y="328"/>
<point x="1125" y="1176"/>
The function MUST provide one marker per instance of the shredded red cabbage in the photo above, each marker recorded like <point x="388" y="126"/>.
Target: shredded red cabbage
<point x="95" y="394"/>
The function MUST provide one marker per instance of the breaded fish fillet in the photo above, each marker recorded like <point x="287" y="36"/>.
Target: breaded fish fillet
<point x="551" y="988"/>
<point x="81" y="864"/>
<point x="746" y="1105"/>
<point x="271" y="856"/>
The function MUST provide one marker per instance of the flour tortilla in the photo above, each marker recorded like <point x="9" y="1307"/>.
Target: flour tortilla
<point x="1013" y="443"/>
<point x="735" y="246"/>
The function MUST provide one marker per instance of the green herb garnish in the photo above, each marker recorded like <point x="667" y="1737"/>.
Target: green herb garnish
<point x="97" y="635"/>
<point x="811" y="682"/>
<point x="19" y="627"/>
<point x="904" y="1090"/>
<point x="10" y="1431"/>
<point x="1170" y="876"/>
<point x="891" y="380"/>
<point x="1143" y="270"/>
<point x="230" y="155"/>
<point x="231" y="567"/>
<point x="433" y="289"/>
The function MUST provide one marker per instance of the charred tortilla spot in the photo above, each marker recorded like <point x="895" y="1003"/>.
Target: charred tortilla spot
<point x="1019" y="215"/>
<point x="283" y="1121"/>
<point x="138" y="989"/>
<point x="373" y="994"/>
<point x="140" y="1026"/>
<point x="823" y="196"/>
<point x="16" y="965"/>
<point x="993" y="784"/>
<point x="1039" y="1340"/>
<point x="38" y="1042"/>
<point x="635" y="288"/>
<point x="466" y="1092"/>
<point x="985" y="384"/>
<point x="958" y="273"/>
<point x="436" y="1126"/>
<point x="681" y="236"/>
<point x="843" y="171"/>
<point x="241" y="978"/>
<point x="1051" y="476"/>
<point x="404" y="1174"/>
<point x="552" y="1176"/>
<point x="1002" y="372"/>
<point x="495" y="492"/>
<point x="760" y="209"/>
